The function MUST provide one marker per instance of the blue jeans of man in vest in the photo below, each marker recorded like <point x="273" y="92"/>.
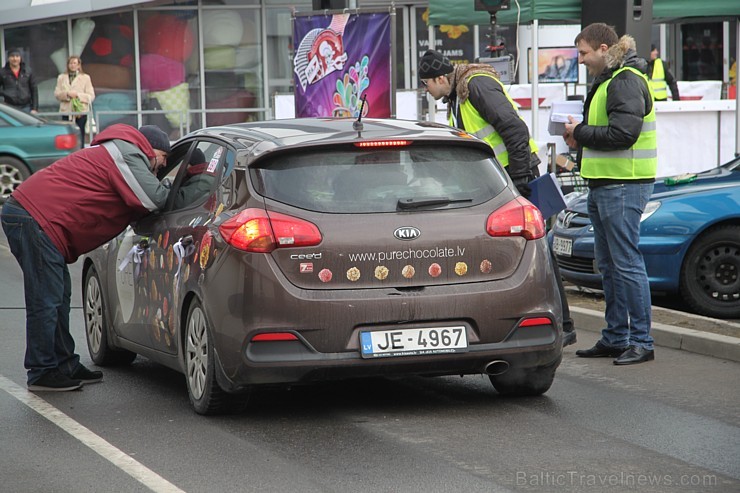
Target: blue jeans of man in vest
<point x="615" y="212"/>
<point x="48" y="292"/>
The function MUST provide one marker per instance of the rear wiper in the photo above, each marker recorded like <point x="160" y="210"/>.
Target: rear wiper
<point x="415" y="203"/>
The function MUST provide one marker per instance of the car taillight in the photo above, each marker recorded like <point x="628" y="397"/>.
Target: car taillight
<point x="65" y="142"/>
<point x="517" y="218"/>
<point x="254" y="230"/>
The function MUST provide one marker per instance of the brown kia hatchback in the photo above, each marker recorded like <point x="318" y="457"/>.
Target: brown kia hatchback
<point x="295" y="251"/>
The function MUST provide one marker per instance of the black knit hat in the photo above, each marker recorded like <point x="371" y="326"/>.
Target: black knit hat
<point x="433" y="64"/>
<point x="156" y="137"/>
<point x="14" y="51"/>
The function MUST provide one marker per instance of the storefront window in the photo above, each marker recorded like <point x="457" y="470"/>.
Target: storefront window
<point x="169" y="69"/>
<point x="279" y="50"/>
<point x="232" y="55"/>
<point x="702" y="51"/>
<point x="41" y="52"/>
<point x="106" y="46"/>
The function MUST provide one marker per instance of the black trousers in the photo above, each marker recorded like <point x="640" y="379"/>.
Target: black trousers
<point x="81" y="121"/>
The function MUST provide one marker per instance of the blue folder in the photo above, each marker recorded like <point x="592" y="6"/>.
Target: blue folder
<point x="546" y="195"/>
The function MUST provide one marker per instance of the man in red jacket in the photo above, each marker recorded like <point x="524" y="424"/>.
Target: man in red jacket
<point x="63" y="211"/>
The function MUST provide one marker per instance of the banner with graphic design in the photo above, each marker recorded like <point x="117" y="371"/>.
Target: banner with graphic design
<point x="341" y="59"/>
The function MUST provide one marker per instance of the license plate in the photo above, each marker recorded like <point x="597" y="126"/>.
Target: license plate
<point x="562" y="246"/>
<point x="413" y="342"/>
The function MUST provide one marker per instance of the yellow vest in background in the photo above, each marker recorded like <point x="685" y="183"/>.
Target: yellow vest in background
<point x="657" y="81"/>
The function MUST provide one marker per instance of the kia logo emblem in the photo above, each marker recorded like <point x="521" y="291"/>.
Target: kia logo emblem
<point x="407" y="233"/>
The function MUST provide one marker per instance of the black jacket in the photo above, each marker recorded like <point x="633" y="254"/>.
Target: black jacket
<point x="669" y="79"/>
<point x="488" y="98"/>
<point x="628" y="102"/>
<point x="19" y="91"/>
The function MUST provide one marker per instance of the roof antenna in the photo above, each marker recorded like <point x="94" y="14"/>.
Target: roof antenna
<point x="357" y="125"/>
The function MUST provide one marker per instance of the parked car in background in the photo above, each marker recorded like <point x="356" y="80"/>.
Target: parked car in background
<point x="689" y="237"/>
<point x="317" y="249"/>
<point x="29" y="143"/>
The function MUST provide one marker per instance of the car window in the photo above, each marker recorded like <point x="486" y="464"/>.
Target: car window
<point x="199" y="179"/>
<point x="231" y="183"/>
<point x="378" y="180"/>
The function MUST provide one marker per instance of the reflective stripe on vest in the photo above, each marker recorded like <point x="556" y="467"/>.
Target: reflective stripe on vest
<point x="657" y="81"/>
<point x="637" y="162"/>
<point x="476" y="125"/>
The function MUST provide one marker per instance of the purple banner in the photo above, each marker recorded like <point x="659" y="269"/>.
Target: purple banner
<point x="338" y="60"/>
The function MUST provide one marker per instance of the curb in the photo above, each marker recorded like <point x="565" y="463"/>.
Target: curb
<point x="694" y="341"/>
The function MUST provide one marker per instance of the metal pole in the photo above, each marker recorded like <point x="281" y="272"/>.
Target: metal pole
<point x="535" y="87"/>
<point x="394" y="70"/>
<point x="737" y="96"/>
<point x="430" y="99"/>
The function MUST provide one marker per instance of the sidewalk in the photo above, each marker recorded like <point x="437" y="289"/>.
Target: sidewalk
<point x="671" y="328"/>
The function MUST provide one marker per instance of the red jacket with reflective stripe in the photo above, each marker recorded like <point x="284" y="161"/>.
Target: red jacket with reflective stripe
<point x="90" y="196"/>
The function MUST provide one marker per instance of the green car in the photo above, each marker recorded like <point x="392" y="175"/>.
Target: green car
<point x="29" y="143"/>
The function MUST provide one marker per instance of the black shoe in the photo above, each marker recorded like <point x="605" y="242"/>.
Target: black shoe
<point x="54" y="381"/>
<point x="601" y="351"/>
<point x="569" y="338"/>
<point x="634" y="355"/>
<point x="87" y="376"/>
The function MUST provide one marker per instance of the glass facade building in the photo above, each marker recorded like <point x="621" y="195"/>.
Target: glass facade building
<point x="184" y="64"/>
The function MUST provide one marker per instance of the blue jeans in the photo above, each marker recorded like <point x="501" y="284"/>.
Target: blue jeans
<point x="48" y="292"/>
<point x="615" y="212"/>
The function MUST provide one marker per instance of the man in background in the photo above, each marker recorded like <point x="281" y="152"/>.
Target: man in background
<point x="661" y="78"/>
<point x="18" y="85"/>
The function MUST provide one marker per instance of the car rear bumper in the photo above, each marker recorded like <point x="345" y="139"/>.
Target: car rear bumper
<point x="283" y="362"/>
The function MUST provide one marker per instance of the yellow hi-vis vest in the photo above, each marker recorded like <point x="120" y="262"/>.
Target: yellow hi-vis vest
<point x="638" y="162"/>
<point x="476" y="125"/>
<point x="657" y="81"/>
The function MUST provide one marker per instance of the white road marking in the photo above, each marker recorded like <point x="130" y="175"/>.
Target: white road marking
<point x="117" y="457"/>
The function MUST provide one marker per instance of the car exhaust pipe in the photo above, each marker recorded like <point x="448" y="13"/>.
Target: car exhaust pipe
<point x="496" y="367"/>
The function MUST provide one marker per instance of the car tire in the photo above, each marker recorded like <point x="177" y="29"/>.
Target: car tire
<point x="710" y="275"/>
<point x="525" y="381"/>
<point x="206" y="396"/>
<point x="12" y="173"/>
<point x="96" y="326"/>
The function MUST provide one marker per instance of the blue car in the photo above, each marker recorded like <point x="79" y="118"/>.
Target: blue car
<point x="689" y="236"/>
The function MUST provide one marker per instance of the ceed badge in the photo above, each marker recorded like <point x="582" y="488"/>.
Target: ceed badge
<point x="406" y="233"/>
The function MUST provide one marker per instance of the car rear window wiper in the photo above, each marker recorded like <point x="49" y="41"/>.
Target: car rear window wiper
<point x="415" y="203"/>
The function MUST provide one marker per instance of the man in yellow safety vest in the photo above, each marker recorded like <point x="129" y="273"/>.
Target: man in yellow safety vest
<point x="619" y="157"/>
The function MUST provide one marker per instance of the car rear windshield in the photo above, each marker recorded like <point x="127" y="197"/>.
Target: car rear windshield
<point x="415" y="177"/>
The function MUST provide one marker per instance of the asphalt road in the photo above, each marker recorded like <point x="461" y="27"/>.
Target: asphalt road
<point x="669" y="425"/>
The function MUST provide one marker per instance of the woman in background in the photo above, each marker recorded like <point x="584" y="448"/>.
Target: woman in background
<point x="75" y="93"/>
